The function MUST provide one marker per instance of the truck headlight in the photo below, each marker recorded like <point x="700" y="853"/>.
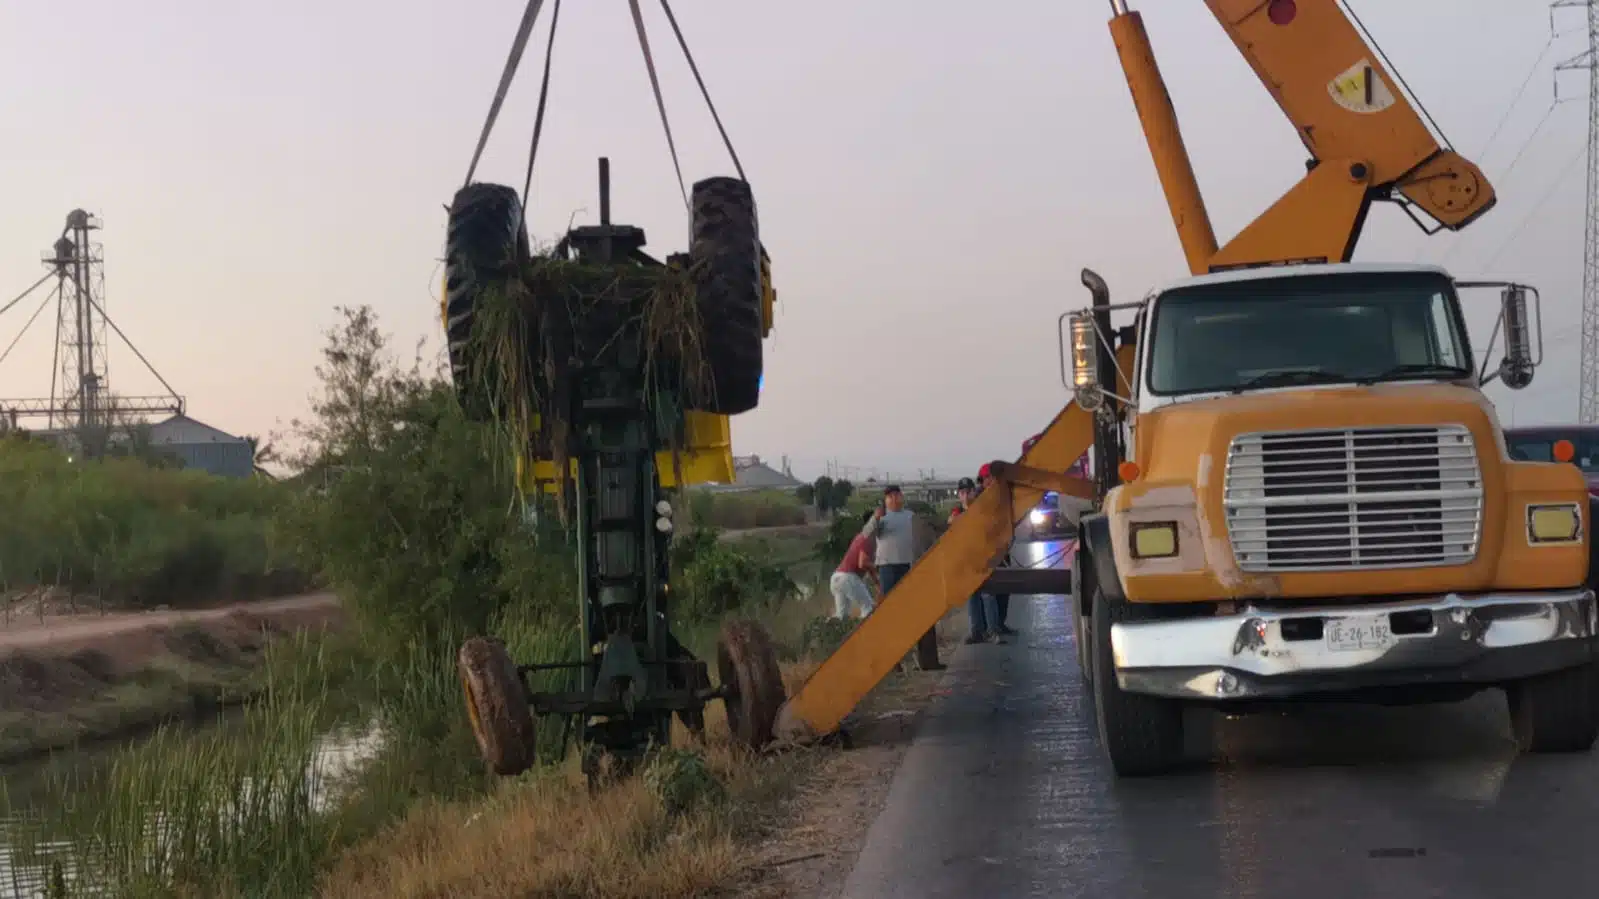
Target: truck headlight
<point x="1153" y="539"/>
<point x="1038" y="516"/>
<point x="1554" y="523"/>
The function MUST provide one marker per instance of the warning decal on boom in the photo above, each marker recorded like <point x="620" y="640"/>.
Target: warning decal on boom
<point x="1360" y="88"/>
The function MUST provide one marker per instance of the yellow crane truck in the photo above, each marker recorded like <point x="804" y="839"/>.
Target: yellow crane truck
<point x="1303" y="493"/>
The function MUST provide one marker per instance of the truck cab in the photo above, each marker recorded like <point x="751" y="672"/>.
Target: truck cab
<point x="1316" y="502"/>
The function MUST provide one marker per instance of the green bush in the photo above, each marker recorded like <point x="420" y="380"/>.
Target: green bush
<point x="713" y="577"/>
<point x="135" y="534"/>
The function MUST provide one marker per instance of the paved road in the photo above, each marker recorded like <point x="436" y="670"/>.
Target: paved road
<point x="1005" y="793"/>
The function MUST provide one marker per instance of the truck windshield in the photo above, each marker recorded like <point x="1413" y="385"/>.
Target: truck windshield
<point x="1331" y="328"/>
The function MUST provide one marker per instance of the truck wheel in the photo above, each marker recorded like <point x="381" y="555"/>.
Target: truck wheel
<point x="1082" y="636"/>
<point x="485" y="243"/>
<point x="1080" y="632"/>
<point x="747" y="665"/>
<point x="1556" y="712"/>
<point x="497" y="706"/>
<point x="725" y="259"/>
<point x="1141" y="734"/>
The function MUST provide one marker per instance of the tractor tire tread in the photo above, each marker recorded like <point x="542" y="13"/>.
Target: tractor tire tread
<point x="502" y="720"/>
<point x="746" y="661"/>
<point x="725" y="259"/>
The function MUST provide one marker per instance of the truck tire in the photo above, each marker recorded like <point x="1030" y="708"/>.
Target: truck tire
<point x="1556" y="712"/>
<point x="497" y="706"/>
<point x="725" y="259"/>
<point x="1142" y="735"/>
<point x="1080" y="631"/>
<point x="485" y="243"/>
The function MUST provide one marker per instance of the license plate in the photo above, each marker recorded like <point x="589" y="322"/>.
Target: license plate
<point x="1358" y="633"/>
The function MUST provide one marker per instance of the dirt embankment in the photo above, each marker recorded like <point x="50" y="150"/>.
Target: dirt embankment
<point x="68" y="678"/>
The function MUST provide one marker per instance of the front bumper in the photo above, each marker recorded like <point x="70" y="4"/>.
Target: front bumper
<point x="1264" y="653"/>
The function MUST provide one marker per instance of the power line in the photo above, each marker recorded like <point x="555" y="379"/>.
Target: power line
<point x="1531" y="136"/>
<point x="1520" y="92"/>
<point x="1456" y="245"/>
<point x="1537" y="207"/>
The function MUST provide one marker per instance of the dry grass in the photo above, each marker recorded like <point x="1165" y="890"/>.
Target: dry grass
<point x="546" y="835"/>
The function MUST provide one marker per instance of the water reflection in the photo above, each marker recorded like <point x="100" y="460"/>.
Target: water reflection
<point x="334" y="757"/>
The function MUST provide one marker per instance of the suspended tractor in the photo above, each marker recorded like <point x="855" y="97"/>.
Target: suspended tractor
<point x="624" y="418"/>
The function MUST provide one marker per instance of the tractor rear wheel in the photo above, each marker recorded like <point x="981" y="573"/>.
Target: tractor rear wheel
<point x="485" y="244"/>
<point x="747" y="664"/>
<point x="725" y="259"/>
<point x="497" y="706"/>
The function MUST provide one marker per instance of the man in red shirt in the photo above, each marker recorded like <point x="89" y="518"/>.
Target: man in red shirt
<point x="848" y="583"/>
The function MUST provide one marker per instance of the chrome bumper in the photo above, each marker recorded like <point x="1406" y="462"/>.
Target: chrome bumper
<point x="1265" y="653"/>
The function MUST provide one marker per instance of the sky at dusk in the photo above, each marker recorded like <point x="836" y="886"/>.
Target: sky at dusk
<point x="931" y="176"/>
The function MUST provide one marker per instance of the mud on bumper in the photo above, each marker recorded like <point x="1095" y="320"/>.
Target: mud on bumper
<point x="1271" y="653"/>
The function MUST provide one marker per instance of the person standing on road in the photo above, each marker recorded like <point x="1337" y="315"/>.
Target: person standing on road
<point x="980" y="608"/>
<point x="894" y="528"/>
<point x="1001" y="601"/>
<point x="849" y="582"/>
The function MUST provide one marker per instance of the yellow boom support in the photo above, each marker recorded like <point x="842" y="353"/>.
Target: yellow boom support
<point x="945" y="577"/>
<point x="1365" y="139"/>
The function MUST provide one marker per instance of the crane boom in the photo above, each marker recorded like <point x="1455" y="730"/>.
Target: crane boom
<point x="1365" y="138"/>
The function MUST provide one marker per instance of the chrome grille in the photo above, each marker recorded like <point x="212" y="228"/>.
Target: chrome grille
<point x="1329" y="500"/>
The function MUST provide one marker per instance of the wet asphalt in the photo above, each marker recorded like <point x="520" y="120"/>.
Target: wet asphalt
<point x="1005" y="792"/>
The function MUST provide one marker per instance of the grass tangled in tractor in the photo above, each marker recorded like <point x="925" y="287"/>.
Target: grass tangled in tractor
<point x="540" y="322"/>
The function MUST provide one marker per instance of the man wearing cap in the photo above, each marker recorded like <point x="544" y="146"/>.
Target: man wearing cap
<point x="1000" y="601"/>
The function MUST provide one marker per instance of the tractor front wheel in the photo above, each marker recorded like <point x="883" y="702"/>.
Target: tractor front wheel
<point x="747" y="664"/>
<point x="497" y="706"/>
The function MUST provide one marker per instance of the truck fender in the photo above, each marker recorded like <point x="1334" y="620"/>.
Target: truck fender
<point x="1095" y="561"/>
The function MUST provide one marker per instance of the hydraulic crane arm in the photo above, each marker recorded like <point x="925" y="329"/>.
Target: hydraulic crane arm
<point x="957" y="566"/>
<point x="1366" y="140"/>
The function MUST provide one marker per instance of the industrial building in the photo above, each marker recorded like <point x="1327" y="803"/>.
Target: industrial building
<point x="204" y="448"/>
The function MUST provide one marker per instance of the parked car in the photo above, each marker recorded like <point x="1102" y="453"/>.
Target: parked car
<point x="1537" y="444"/>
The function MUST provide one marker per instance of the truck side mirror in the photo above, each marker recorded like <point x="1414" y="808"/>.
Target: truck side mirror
<point x="1516" y="369"/>
<point x="1086" y="388"/>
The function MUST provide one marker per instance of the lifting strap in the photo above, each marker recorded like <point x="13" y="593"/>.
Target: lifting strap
<point x="538" y="117"/>
<point x="506" y="76"/>
<point x="666" y="5"/>
<point x="660" y="102"/>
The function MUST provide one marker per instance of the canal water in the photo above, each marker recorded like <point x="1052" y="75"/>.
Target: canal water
<point x="31" y="789"/>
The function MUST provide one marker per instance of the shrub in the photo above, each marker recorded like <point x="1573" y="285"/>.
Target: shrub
<point x="135" y="534"/>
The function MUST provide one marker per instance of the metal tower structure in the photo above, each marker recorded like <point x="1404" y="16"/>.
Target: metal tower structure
<point x="81" y="400"/>
<point x="1588" y="393"/>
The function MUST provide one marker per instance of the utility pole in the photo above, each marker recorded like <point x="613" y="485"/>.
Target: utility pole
<point x="1588" y="389"/>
